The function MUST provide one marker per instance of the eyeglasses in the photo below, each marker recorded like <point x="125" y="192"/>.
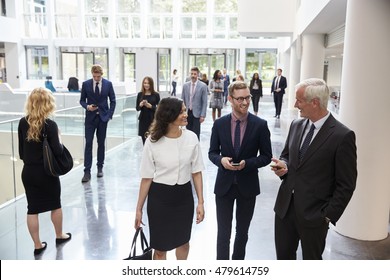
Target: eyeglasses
<point x="241" y="99"/>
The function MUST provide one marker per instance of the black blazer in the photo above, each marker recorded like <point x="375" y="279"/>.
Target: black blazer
<point x="255" y="150"/>
<point x="88" y="97"/>
<point x="282" y="84"/>
<point x="325" y="180"/>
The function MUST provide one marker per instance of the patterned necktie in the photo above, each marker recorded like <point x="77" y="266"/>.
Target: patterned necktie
<point x="237" y="138"/>
<point x="97" y="89"/>
<point x="306" y="142"/>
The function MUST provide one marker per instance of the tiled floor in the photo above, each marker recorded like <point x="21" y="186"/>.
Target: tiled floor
<point x="100" y="214"/>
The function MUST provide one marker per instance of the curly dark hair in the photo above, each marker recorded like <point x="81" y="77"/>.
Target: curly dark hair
<point x="216" y="76"/>
<point x="167" y="112"/>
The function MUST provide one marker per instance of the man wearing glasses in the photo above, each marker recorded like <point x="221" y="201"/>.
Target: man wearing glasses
<point x="239" y="145"/>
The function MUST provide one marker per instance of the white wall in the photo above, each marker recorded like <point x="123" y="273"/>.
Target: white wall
<point x="266" y="17"/>
<point x="334" y="72"/>
<point x="146" y="64"/>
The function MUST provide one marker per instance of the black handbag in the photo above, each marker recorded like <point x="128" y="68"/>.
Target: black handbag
<point x="55" y="165"/>
<point x="146" y="250"/>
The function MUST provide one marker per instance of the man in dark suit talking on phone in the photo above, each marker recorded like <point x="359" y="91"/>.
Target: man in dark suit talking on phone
<point x="239" y="145"/>
<point x="318" y="168"/>
<point x="94" y="95"/>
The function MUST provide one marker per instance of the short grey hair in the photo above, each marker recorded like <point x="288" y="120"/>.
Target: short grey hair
<point x="315" y="88"/>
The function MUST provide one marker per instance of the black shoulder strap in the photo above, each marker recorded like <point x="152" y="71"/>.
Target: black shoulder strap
<point x="44" y="134"/>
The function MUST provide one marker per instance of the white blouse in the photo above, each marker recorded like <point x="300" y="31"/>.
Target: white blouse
<point x="172" y="161"/>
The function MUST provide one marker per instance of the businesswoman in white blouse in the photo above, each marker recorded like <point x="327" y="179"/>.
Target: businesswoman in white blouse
<point x="171" y="157"/>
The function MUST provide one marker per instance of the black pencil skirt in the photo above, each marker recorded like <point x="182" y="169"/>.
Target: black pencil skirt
<point x="170" y="212"/>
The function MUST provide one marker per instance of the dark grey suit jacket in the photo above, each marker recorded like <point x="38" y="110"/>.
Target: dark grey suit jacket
<point x="324" y="181"/>
<point x="255" y="150"/>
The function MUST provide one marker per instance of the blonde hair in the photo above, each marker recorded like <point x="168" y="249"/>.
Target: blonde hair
<point x="236" y="86"/>
<point x="97" y="69"/>
<point x="39" y="106"/>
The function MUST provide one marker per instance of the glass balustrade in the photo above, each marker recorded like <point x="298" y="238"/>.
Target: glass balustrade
<point x="70" y="121"/>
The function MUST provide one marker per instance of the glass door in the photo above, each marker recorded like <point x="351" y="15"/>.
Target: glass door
<point x="207" y="63"/>
<point x="77" y="65"/>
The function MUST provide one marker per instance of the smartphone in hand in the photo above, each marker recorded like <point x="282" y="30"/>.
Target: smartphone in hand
<point x="276" y="166"/>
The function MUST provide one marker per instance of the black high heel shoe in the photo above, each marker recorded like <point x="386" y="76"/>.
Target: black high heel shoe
<point x="63" y="240"/>
<point x="40" y="250"/>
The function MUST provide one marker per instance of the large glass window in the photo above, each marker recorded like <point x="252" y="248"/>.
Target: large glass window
<point x="3" y="8"/>
<point x="35" y="19"/>
<point x="129" y="67"/>
<point x="154" y="29"/>
<point x="96" y="6"/>
<point x="262" y="61"/>
<point x="77" y="62"/>
<point x="233" y="28"/>
<point x="194" y="6"/>
<point x="128" y="6"/>
<point x="207" y="63"/>
<point x="161" y="6"/>
<point x="37" y="62"/>
<point x="186" y="28"/>
<point x="76" y="65"/>
<point x="201" y="27"/>
<point x="66" y="18"/>
<point x="219" y="28"/>
<point x="225" y="6"/>
<point x="96" y="19"/>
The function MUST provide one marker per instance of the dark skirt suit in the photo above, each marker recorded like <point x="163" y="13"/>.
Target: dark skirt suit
<point x="256" y="94"/>
<point x="146" y="115"/>
<point x="43" y="192"/>
<point x="170" y="204"/>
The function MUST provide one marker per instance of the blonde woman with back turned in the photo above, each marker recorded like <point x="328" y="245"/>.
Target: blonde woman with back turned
<point x="43" y="192"/>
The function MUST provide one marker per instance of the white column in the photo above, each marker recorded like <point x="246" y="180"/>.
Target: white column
<point x="293" y="77"/>
<point x="313" y="53"/>
<point x="364" y="108"/>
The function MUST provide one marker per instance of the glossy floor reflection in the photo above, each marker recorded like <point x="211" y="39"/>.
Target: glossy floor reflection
<point x="100" y="214"/>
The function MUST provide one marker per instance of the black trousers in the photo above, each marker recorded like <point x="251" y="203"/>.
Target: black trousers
<point x="255" y="100"/>
<point x="100" y="127"/>
<point x="244" y="213"/>
<point x="193" y="123"/>
<point x="278" y="100"/>
<point x="288" y="233"/>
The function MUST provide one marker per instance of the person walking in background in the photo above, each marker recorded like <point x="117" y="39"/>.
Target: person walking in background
<point x="318" y="168"/>
<point x="146" y="103"/>
<point x="217" y="90"/>
<point x="240" y="144"/>
<point x="226" y="83"/>
<point x="195" y="96"/>
<point x="93" y="98"/>
<point x="175" y="79"/>
<point x="240" y="77"/>
<point x="238" y="72"/>
<point x="256" y="89"/>
<point x="279" y="85"/>
<point x="43" y="192"/>
<point x="73" y="84"/>
<point x="205" y="79"/>
<point x="171" y="158"/>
